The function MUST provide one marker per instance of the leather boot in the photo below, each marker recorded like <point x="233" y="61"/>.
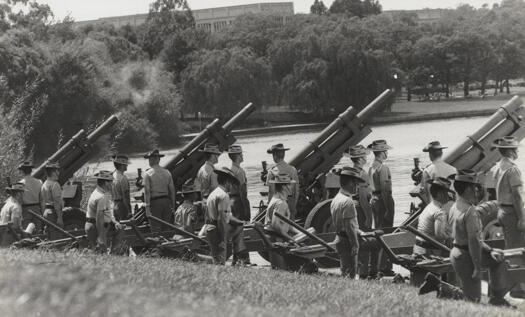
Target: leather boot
<point x="431" y="284"/>
<point x="496" y="299"/>
<point x="450" y="291"/>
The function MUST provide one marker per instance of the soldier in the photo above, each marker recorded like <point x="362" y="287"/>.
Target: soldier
<point x="279" y="204"/>
<point x="438" y="167"/>
<point x="281" y="167"/>
<point x="31" y="199"/>
<point x="509" y="187"/>
<point x="120" y="190"/>
<point x="470" y="251"/>
<point x="365" y="215"/>
<point x="206" y="180"/>
<point x="185" y="216"/>
<point x="51" y="199"/>
<point x="239" y="194"/>
<point x="382" y="202"/>
<point x="344" y="219"/>
<point x="102" y="229"/>
<point x="221" y="225"/>
<point x="433" y="221"/>
<point x="12" y="210"/>
<point x="159" y="191"/>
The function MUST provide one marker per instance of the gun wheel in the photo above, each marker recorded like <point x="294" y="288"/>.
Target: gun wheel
<point x="74" y="219"/>
<point x="320" y="219"/>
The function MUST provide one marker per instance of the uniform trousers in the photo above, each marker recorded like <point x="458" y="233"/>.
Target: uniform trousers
<point x="347" y="256"/>
<point x="514" y="238"/>
<point x="364" y="253"/>
<point x="28" y="218"/>
<point x="120" y="210"/>
<point x="51" y="215"/>
<point x="219" y="236"/>
<point x="464" y="267"/>
<point x="383" y="210"/>
<point x="110" y="237"/>
<point x="160" y="208"/>
<point x="239" y="211"/>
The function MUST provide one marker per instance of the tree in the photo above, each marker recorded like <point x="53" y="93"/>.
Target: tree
<point x="165" y="18"/>
<point x="359" y="8"/>
<point x="223" y="81"/>
<point x="318" y="8"/>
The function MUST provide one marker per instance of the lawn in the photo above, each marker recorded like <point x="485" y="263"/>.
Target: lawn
<point x="47" y="283"/>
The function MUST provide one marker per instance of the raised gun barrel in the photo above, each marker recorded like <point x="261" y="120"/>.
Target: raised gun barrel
<point x="350" y="127"/>
<point x="76" y="152"/>
<point x="185" y="164"/>
<point x="476" y="151"/>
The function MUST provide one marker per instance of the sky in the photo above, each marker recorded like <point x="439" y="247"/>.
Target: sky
<point x="93" y="9"/>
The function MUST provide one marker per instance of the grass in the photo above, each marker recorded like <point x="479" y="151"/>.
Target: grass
<point x="47" y="283"/>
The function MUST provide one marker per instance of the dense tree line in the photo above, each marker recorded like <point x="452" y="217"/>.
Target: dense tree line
<point x="56" y="78"/>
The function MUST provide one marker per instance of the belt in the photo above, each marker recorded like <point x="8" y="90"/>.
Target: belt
<point x="30" y="205"/>
<point x="462" y="247"/>
<point x="378" y="192"/>
<point x="211" y="222"/>
<point x="50" y="206"/>
<point x="91" y="220"/>
<point x="425" y="244"/>
<point x="342" y="234"/>
<point x="158" y="197"/>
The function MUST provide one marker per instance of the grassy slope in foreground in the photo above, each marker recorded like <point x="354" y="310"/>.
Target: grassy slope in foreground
<point x="76" y="284"/>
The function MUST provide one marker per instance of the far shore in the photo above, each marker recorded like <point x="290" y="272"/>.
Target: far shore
<point x="401" y="112"/>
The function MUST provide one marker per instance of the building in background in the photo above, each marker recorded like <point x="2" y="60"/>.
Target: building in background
<point x="423" y="16"/>
<point x="213" y="19"/>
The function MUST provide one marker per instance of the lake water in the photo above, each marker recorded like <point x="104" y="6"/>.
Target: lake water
<point x="407" y="139"/>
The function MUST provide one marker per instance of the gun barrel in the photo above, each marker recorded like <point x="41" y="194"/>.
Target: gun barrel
<point x="193" y="144"/>
<point x="76" y="139"/>
<point x="76" y="152"/>
<point x="188" y="161"/>
<point x="475" y="151"/>
<point x="347" y="129"/>
<point x="102" y="129"/>
<point x="239" y="117"/>
<point x="375" y="106"/>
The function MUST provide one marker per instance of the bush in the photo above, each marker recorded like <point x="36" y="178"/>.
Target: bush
<point x="133" y="133"/>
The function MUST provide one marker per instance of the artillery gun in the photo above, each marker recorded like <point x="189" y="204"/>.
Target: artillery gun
<point x="184" y="166"/>
<point x="475" y="153"/>
<point x="71" y="157"/>
<point x="317" y="159"/>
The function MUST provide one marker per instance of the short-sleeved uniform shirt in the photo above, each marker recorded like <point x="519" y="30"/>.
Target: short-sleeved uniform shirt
<point x="206" y="180"/>
<point x="240" y="174"/>
<point x="185" y="217"/>
<point x="363" y="192"/>
<point x="11" y="212"/>
<point x="120" y="189"/>
<point x="51" y="194"/>
<point x="32" y="193"/>
<point x="100" y="202"/>
<point x="159" y="181"/>
<point x="344" y="214"/>
<point x="433" y="221"/>
<point x="284" y="168"/>
<point x="380" y="177"/>
<point x="278" y="204"/>
<point x="467" y="222"/>
<point x="218" y="206"/>
<point x="507" y="176"/>
<point x="438" y="168"/>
